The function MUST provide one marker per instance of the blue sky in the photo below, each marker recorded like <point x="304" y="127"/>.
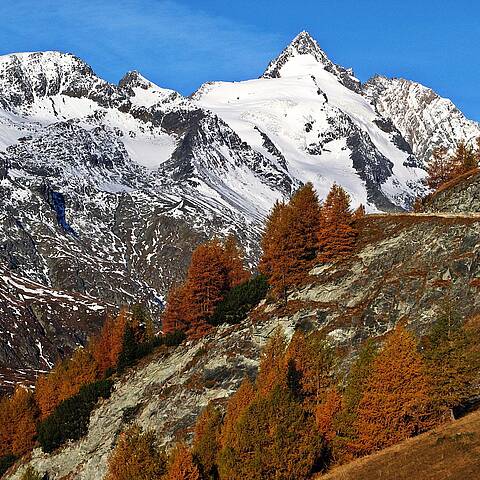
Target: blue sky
<point x="180" y="44"/>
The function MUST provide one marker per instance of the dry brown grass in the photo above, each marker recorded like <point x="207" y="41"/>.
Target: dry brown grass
<point x="449" y="452"/>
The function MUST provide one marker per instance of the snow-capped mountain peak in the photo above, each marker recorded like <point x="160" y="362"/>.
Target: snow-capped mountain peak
<point x="299" y="57"/>
<point x="144" y="93"/>
<point x="424" y="119"/>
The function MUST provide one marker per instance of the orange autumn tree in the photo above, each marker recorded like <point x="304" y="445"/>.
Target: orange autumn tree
<point x="289" y="241"/>
<point x="272" y="370"/>
<point x="207" y="282"/>
<point x="65" y="380"/>
<point x="439" y="169"/>
<point x="181" y="465"/>
<point x="215" y="268"/>
<point x="136" y="456"/>
<point x="310" y="363"/>
<point x="443" y="167"/>
<point x="18" y="417"/>
<point x="237" y="404"/>
<point x="274" y="438"/>
<point x="174" y="316"/>
<point x="85" y="365"/>
<point x="303" y="225"/>
<point x="396" y="401"/>
<point x="6" y="430"/>
<point x="77" y="371"/>
<point x="327" y="412"/>
<point x="464" y="159"/>
<point x="359" y="212"/>
<point x="206" y="442"/>
<point x="336" y="235"/>
<point x="106" y="348"/>
<point x="345" y="438"/>
<point x="270" y="237"/>
<point x="234" y="260"/>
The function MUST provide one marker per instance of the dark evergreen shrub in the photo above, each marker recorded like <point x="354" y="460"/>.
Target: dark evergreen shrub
<point x="239" y="301"/>
<point x="6" y="462"/>
<point x="69" y="421"/>
<point x="131" y="350"/>
<point x="173" y="339"/>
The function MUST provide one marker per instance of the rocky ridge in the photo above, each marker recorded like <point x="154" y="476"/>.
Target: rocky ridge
<point x="424" y="119"/>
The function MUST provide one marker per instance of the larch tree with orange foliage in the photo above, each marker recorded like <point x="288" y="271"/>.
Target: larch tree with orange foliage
<point x="106" y="348"/>
<point x="85" y="365"/>
<point x="77" y="371"/>
<point x="18" y="416"/>
<point x="303" y="225"/>
<point x="336" y="235"/>
<point x="237" y="404"/>
<point x="275" y="438"/>
<point x="181" y="465"/>
<point x="136" y="456"/>
<point x="359" y="212"/>
<point x="234" y="260"/>
<point x="174" y="316"/>
<point x="206" y="442"/>
<point x="215" y="268"/>
<point x="272" y="370"/>
<point x="443" y="167"/>
<point x="6" y="430"/>
<point x="270" y="238"/>
<point x="206" y="284"/>
<point x="65" y="380"/>
<point x="464" y="159"/>
<point x="356" y="382"/>
<point x="326" y="413"/>
<point x="439" y="169"/>
<point x="396" y="402"/>
<point x="290" y="242"/>
<point x="310" y="363"/>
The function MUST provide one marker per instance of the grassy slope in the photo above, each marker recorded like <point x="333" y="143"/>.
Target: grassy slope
<point x="450" y="452"/>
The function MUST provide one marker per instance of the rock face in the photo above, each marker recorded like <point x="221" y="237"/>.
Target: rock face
<point x="462" y="196"/>
<point x="48" y="324"/>
<point x="409" y="266"/>
<point x="424" y="119"/>
<point x="403" y="269"/>
<point x="106" y="189"/>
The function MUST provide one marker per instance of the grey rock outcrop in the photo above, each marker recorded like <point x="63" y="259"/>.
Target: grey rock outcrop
<point x="462" y="196"/>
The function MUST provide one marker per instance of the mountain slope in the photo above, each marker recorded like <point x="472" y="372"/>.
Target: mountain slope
<point x="451" y="451"/>
<point x="105" y="189"/>
<point x="424" y="119"/>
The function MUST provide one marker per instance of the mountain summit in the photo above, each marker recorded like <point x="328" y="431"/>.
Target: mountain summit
<point x="308" y="49"/>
